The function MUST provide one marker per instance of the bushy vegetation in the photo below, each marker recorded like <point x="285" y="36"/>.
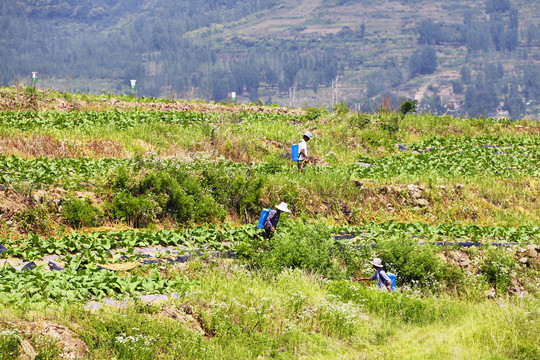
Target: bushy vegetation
<point x="182" y="226"/>
<point x="80" y="212"/>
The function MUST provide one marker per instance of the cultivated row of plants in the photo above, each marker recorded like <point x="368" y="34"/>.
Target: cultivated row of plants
<point x="34" y="247"/>
<point x="42" y="171"/>
<point x="210" y="237"/>
<point x="30" y="120"/>
<point x="142" y="192"/>
<point x="459" y="143"/>
<point x="508" y="160"/>
<point x="307" y="247"/>
<point x="451" y="159"/>
<point x="80" y="283"/>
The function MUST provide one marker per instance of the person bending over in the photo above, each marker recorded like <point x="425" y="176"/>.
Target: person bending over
<point x="273" y="218"/>
<point x="383" y="280"/>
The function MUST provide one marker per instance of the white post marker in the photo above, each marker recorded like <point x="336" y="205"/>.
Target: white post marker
<point x="133" y="83"/>
<point x="233" y="96"/>
<point x="34" y="75"/>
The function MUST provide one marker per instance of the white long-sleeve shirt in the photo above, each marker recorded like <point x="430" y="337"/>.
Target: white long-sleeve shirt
<point x="302" y="145"/>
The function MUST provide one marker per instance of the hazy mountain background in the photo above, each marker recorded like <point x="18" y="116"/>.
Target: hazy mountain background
<point x="461" y="57"/>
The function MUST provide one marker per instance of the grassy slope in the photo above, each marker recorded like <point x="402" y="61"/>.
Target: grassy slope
<point x="230" y="312"/>
<point x="293" y="315"/>
<point x="340" y="140"/>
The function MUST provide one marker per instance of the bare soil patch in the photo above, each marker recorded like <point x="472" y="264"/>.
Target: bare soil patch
<point x="12" y="202"/>
<point x="70" y="345"/>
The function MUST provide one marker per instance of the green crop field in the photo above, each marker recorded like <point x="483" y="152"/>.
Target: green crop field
<point x="128" y="231"/>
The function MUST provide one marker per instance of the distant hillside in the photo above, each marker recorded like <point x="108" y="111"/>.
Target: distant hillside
<point x="476" y="58"/>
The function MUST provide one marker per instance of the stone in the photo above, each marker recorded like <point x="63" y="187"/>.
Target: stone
<point x="422" y="202"/>
<point x="523" y="260"/>
<point x="414" y="191"/>
<point x="491" y="294"/>
<point x="532" y="251"/>
<point x="462" y="261"/>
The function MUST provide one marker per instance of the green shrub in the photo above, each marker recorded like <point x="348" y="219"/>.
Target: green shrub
<point x="497" y="267"/>
<point x="359" y="121"/>
<point x="305" y="247"/>
<point x="390" y="124"/>
<point x="37" y="220"/>
<point x="187" y="200"/>
<point x="341" y="108"/>
<point x="408" y="106"/>
<point x="136" y="211"/>
<point x="9" y="344"/>
<point x="414" y="265"/>
<point x="79" y="212"/>
<point x="239" y="192"/>
<point x="312" y="113"/>
<point x="146" y="197"/>
<point x="375" y="139"/>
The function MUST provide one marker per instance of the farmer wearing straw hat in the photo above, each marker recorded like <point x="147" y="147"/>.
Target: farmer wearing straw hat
<point x="383" y="280"/>
<point x="273" y="219"/>
<point x="302" y="151"/>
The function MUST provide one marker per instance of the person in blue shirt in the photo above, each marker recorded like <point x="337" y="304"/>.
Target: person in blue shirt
<point x="383" y="280"/>
<point x="273" y="218"/>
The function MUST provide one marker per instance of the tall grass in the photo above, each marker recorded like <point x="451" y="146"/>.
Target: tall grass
<point x="232" y="312"/>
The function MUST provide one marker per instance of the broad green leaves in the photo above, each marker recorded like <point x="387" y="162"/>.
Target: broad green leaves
<point x="80" y="284"/>
<point x="462" y="157"/>
<point x="127" y="119"/>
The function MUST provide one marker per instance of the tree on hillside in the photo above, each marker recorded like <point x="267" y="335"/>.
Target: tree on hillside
<point x="478" y="37"/>
<point x="465" y="73"/>
<point x="497" y="6"/>
<point x="531" y="82"/>
<point x="480" y="100"/>
<point x="435" y="33"/>
<point x="423" y="62"/>
<point x="513" y="22"/>
<point x="514" y="103"/>
<point x="496" y="27"/>
<point x="510" y="40"/>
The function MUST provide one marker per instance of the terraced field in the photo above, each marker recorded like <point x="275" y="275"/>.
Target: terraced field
<point x="151" y="250"/>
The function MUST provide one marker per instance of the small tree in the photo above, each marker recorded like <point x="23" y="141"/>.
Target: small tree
<point x="423" y="61"/>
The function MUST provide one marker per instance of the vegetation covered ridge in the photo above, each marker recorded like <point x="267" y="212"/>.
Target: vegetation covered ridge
<point x="30" y="99"/>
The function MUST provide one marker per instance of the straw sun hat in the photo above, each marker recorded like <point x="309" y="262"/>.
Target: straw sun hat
<point x="283" y="207"/>
<point x="376" y="262"/>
